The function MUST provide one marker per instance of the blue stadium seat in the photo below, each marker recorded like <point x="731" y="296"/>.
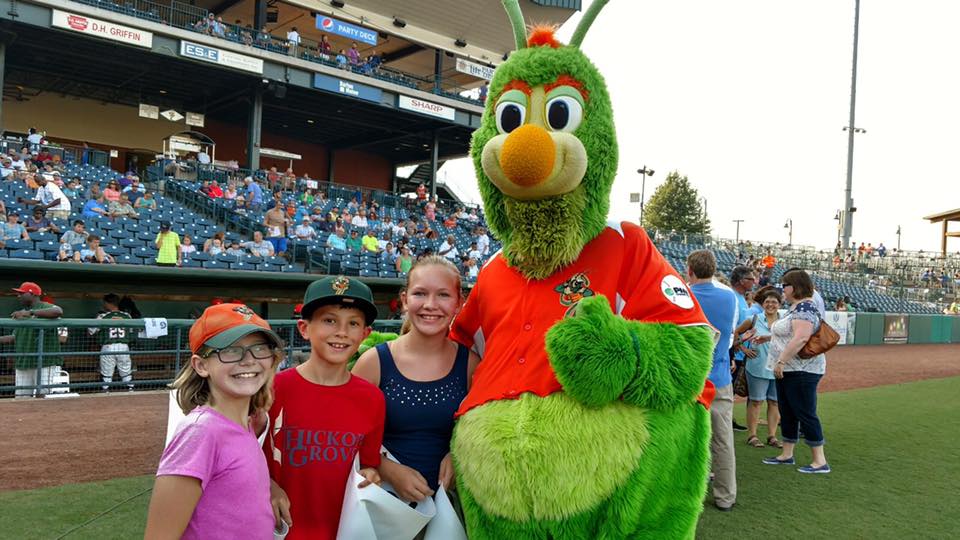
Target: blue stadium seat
<point x="19" y="244"/>
<point x="191" y="263"/>
<point x="25" y="254"/>
<point x="200" y="256"/>
<point x="128" y="259"/>
<point x="216" y="265"/>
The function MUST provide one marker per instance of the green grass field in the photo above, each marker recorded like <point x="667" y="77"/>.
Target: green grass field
<point x="895" y="476"/>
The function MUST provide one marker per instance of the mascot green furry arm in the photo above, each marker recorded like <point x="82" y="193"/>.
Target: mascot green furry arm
<point x="587" y="415"/>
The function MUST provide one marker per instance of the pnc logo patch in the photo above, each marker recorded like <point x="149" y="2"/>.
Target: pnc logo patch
<point x="676" y="292"/>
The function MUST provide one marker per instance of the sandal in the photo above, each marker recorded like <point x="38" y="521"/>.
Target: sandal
<point x="773" y="441"/>
<point x="754" y="441"/>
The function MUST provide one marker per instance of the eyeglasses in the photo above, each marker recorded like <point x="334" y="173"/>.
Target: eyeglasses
<point x="232" y="355"/>
<point x="785" y="285"/>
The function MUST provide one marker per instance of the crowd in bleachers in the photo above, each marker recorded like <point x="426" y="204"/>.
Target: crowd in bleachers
<point x="345" y="229"/>
<point x="367" y="62"/>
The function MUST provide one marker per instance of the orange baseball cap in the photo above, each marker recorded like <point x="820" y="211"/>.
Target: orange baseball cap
<point x="223" y="324"/>
<point x="29" y="287"/>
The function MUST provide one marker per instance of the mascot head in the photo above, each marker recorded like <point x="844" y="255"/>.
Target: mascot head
<point x="546" y="149"/>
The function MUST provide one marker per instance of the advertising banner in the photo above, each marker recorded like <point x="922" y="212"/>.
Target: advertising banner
<point x="104" y="29"/>
<point x="475" y="69"/>
<point x="347" y="30"/>
<point x="349" y="88"/>
<point x="895" y="328"/>
<point x="427" y="107"/>
<point x="213" y="55"/>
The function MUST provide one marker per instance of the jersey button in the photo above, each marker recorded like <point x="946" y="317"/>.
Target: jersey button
<point x="522" y="360"/>
<point x="527" y="327"/>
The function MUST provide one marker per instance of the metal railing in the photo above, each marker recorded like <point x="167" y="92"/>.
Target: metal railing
<point x="56" y="357"/>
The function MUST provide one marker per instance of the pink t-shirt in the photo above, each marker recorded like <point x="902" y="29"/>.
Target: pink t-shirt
<point x="233" y="474"/>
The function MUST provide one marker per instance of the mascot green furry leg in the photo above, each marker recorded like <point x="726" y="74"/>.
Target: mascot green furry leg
<point x="587" y="416"/>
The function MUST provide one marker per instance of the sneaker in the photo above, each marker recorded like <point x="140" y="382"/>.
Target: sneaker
<point x="776" y="461"/>
<point x="738" y="427"/>
<point x="809" y="469"/>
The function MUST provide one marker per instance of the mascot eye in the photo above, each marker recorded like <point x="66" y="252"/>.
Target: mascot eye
<point x="510" y="116"/>
<point x="564" y="113"/>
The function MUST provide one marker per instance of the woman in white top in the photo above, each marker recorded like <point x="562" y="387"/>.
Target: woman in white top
<point x="797" y="378"/>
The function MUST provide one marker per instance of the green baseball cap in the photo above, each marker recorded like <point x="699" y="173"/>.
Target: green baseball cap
<point x="339" y="290"/>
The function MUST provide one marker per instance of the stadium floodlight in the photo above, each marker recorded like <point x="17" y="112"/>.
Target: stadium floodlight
<point x="399" y="23"/>
<point x="645" y="172"/>
<point x="337" y="4"/>
<point x="460" y="43"/>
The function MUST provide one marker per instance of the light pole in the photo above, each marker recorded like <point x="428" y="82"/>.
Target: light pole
<point x="898" y="239"/>
<point x="644" y="172"/>
<point x="738" y="222"/>
<point x="789" y="225"/>
<point x="839" y="219"/>
<point x="851" y="131"/>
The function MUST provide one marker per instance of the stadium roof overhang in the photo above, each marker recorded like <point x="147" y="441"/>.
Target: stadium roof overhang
<point x="43" y="60"/>
<point x="945" y="218"/>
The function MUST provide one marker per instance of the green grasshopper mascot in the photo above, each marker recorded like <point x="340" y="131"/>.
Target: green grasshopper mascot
<point x="587" y="416"/>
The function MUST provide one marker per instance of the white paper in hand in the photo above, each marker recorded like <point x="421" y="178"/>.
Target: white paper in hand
<point x="446" y="524"/>
<point x="372" y="513"/>
<point x="153" y="328"/>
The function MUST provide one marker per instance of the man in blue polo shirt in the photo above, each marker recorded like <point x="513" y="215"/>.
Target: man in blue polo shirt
<point x="254" y="193"/>
<point x="719" y="304"/>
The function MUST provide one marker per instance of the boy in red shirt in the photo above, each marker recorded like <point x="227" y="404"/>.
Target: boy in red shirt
<point x="322" y="416"/>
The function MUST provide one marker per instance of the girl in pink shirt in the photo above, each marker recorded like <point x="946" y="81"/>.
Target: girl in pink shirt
<point x="112" y="192"/>
<point x="213" y="480"/>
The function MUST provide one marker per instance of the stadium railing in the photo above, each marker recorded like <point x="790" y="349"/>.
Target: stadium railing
<point x="155" y="360"/>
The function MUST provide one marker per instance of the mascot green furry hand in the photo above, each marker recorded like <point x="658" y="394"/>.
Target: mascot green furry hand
<point x="587" y="415"/>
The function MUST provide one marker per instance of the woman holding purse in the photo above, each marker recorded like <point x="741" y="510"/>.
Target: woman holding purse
<point x="797" y="378"/>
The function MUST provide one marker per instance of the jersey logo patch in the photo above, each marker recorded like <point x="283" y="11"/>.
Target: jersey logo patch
<point x="573" y="290"/>
<point x="245" y="311"/>
<point x="676" y="292"/>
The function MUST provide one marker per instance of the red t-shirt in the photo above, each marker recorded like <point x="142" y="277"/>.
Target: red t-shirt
<point x="506" y="317"/>
<point x="315" y="432"/>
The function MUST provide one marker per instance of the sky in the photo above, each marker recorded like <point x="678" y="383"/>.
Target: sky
<point x="748" y="99"/>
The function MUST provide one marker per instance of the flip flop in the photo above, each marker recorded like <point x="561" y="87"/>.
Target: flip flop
<point x="754" y="441"/>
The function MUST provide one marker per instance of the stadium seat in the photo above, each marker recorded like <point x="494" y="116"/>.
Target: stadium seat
<point x="19" y="244"/>
<point x="216" y="265"/>
<point x="25" y="254"/>
<point x="191" y="263"/>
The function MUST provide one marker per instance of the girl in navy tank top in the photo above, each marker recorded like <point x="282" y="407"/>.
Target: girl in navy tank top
<point x="424" y="376"/>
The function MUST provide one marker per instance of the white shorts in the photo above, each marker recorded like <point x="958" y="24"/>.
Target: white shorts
<point x="28" y="377"/>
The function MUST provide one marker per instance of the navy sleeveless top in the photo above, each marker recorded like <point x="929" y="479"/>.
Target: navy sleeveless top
<point x="419" y="420"/>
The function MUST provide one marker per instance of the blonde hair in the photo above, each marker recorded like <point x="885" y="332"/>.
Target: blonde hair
<point x="432" y="260"/>
<point x="194" y="391"/>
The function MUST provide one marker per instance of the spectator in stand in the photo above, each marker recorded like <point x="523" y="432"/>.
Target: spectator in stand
<point x="474" y="252"/>
<point x="769" y="261"/>
<point x="214" y="247"/>
<point x="797" y="378"/>
<point x="258" y="246"/>
<point x="405" y="261"/>
<point x="127" y="180"/>
<point x="841" y="304"/>
<point x="719" y="304"/>
<point x="246" y="34"/>
<point x="186" y="246"/>
<point x="342" y="61"/>
<point x="34" y="137"/>
<point x="273" y="179"/>
<point x="360" y="220"/>
<point x="93" y="192"/>
<point x="881" y="250"/>
<point x="276" y="221"/>
<point x="112" y="192"/>
<point x="289" y="180"/>
<point x="133" y="192"/>
<point x="470" y="268"/>
<point x="231" y="192"/>
<point x="219" y="235"/>
<point x="205" y="25"/>
<point x="93" y="252"/>
<point x="293" y="41"/>
<point x="430" y="209"/>
<point x="336" y="240"/>
<point x="451" y="221"/>
<point x="472" y="216"/>
<point x="7" y="172"/>
<point x="354" y="56"/>
<point x="146" y="202"/>
<point x="483" y="92"/>
<point x="50" y="198"/>
<point x="25" y="342"/>
<point x="253" y="194"/>
<point x="235" y="250"/>
<point x="12" y="229"/>
<point x="448" y="248"/>
<point x="305" y="230"/>
<point x="75" y="236"/>
<point x="168" y="246"/>
<point x="370" y="242"/>
<point x="219" y="29"/>
<point x="307" y="197"/>
<point x="389" y="254"/>
<point x="483" y="241"/>
<point x="215" y="191"/>
<point x="264" y="38"/>
<point x="324" y="47"/>
<point x="354" y="242"/>
<point x="38" y="222"/>
<point x="123" y="208"/>
<point x="422" y="193"/>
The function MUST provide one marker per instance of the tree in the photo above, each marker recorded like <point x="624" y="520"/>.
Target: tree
<point x="676" y="206"/>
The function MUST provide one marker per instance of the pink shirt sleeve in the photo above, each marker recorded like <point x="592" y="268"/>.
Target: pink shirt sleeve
<point x="191" y="452"/>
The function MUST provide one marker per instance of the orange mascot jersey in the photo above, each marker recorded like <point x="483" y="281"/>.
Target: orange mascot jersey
<point x="506" y="317"/>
